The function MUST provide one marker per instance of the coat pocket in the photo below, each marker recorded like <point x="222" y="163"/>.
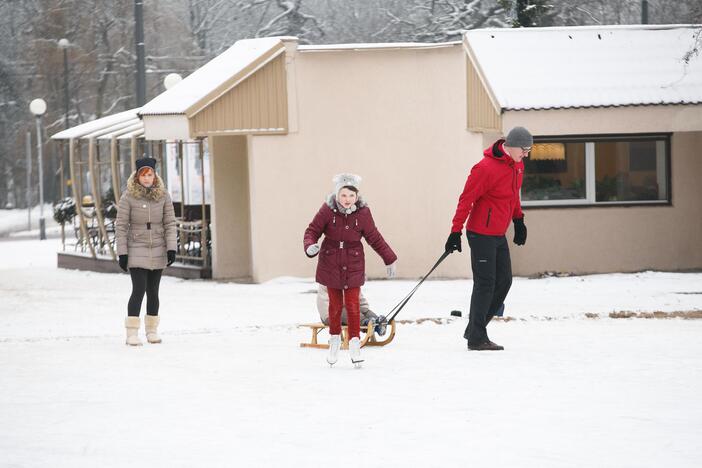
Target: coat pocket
<point x="158" y="237"/>
<point x="355" y="259"/>
<point x="327" y="260"/>
<point x="137" y="236"/>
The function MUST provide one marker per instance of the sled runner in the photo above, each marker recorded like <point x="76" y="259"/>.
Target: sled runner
<point x="368" y="338"/>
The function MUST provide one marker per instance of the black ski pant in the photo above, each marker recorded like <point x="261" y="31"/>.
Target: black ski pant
<point x="144" y="281"/>
<point x="492" y="278"/>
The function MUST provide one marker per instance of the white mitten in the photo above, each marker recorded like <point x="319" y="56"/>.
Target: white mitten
<point x="312" y="250"/>
<point x="392" y="270"/>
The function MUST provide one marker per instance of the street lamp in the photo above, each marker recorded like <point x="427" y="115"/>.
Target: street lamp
<point x="64" y="44"/>
<point x="171" y="80"/>
<point x="38" y="107"/>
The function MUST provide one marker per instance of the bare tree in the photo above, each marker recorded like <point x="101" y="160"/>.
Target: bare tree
<point x="440" y="20"/>
<point x="586" y="12"/>
<point x="292" y="21"/>
<point x="183" y="34"/>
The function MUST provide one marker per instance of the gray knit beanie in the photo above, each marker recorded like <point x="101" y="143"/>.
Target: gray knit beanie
<point x="345" y="180"/>
<point x="519" y="137"/>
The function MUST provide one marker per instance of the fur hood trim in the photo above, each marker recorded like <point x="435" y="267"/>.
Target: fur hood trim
<point x="331" y="203"/>
<point x="155" y="193"/>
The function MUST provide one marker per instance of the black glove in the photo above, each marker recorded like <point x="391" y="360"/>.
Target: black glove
<point x="171" y="257"/>
<point x="520" y="231"/>
<point x="123" y="262"/>
<point x="453" y="242"/>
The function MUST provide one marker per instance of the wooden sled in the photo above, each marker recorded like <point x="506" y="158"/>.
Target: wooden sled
<point x="367" y="338"/>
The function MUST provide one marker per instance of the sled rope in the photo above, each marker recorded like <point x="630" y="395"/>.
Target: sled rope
<point x="396" y="310"/>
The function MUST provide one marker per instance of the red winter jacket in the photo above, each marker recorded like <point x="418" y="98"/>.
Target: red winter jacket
<point x="341" y="259"/>
<point x="490" y="198"/>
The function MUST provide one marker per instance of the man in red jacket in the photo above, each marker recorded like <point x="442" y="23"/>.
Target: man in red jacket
<point x="490" y="200"/>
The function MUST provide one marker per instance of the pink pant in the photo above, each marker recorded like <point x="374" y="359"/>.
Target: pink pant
<point x="337" y="299"/>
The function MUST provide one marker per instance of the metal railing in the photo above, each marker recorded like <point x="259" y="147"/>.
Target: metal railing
<point x="90" y="239"/>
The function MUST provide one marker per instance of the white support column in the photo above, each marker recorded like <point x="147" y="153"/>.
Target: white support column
<point x="590" y="173"/>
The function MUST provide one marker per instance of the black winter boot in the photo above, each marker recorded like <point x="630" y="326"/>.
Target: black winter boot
<point x="485" y="346"/>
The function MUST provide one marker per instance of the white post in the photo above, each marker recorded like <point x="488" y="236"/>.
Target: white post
<point x="38" y="107"/>
<point x="29" y="181"/>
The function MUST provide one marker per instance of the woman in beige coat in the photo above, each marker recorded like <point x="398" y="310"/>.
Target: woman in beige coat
<point x="146" y="244"/>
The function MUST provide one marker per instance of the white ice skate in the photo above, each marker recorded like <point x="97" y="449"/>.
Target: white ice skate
<point x="355" y="352"/>
<point x="334" y="345"/>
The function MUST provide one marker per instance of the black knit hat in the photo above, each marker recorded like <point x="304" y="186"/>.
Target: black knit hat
<point x="145" y="162"/>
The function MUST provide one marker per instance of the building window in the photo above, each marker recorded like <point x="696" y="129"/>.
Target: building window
<point x="597" y="171"/>
<point x="555" y="171"/>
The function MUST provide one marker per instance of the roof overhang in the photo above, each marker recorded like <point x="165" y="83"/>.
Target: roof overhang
<point x="166" y="127"/>
<point x="111" y="124"/>
<point x="608" y="120"/>
<point x="376" y="46"/>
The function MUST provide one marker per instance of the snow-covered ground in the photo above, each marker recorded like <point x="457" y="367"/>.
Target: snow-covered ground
<point x="230" y="385"/>
<point x="17" y="220"/>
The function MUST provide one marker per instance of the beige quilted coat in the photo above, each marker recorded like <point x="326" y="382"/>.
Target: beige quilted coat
<point x="146" y="225"/>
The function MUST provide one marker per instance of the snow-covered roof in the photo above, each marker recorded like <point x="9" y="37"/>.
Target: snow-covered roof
<point x="590" y="66"/>
<point x="136" y="133"/>
<point x="376" y="46"/>
<point x="215" y="77"/>
<point x="134" y="129"/>
<point x="98" y="127"/>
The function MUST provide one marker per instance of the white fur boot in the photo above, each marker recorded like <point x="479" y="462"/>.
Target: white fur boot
<point x="132" y="325"/>
<point x="334" y="345"/>
<point x="355" y="351"/>
<point x="151" y="324"/>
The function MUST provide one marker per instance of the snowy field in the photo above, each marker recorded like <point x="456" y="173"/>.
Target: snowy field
<point x="230" y="385"/>
<point x="17" y="220"/>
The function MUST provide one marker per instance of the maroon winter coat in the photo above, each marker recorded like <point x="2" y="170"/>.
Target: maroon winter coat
<point x="490" y="198"/>
<point x="341" y="259"/>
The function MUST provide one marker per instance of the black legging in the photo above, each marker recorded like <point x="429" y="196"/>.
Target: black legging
<point x="144" y="281"/>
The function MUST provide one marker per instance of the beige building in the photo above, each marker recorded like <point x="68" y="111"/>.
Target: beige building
<point x="612" y="184"/>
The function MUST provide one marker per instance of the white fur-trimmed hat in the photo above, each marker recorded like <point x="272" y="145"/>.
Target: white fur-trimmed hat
<point x="346" y="180"/>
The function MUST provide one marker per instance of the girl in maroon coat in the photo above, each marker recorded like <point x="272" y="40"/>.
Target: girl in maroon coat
<point x="344" y="219"/>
